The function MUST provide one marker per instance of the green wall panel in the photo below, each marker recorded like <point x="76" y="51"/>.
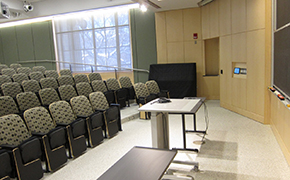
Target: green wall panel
<point x="24" y="42"/>
<point x="143" y="42"/>
<point x="9" y="45"/>
<point x="43" y="42"/>
<point x="27" y="42"/>
<point x="1" y="51"/>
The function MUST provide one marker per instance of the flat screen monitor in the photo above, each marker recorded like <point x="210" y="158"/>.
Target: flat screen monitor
<point x="237" y="71"/>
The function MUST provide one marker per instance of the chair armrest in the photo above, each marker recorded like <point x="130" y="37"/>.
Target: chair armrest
<point x="81" y="116"/>
<point x="7" y="146"/>
<point x="114" y="104"/>
<point x="61" y="124"/>
<point x="38" y="134"/>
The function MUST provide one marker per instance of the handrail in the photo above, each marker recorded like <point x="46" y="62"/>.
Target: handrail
<point x="36" y="61"/>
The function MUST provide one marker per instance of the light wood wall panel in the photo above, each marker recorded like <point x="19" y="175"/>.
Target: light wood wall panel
<point x="193" y="53"/>
<point x="239" y="93"/>
<point x="191" y="23"/>
<point x="174" y="26"/>
<point x="205" y="11"/>
<point x="225" y="17"/>
<point x="178" y="45"/>
<point x="239" y="47"/>
<point x="238" y="16"/>
<point x="255" y="14"/>
<point x="161" y="41"/>
<point x="210" y="87"/>
<point x="175" y="52"/>
<point x="214" y="19"/>
<point x="256" y="71"/>
<point x="226" y="66"/>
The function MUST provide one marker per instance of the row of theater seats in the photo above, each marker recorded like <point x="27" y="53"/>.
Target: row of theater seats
<point x="43" y="134"/>
<point x="148" y="92"/>
<point x="116" y="91"/>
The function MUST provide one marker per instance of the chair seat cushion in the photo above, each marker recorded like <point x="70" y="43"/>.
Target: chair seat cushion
<point x="57" y="137"/>
<point x="30" y="149"/>
<point x="78" y="127"/>
<point x="112" y="113"/>
<point x="96" y="119"/>
<point x="5" y="164"/>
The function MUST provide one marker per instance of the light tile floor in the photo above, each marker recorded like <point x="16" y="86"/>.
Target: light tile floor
<point x="235" y="148"/>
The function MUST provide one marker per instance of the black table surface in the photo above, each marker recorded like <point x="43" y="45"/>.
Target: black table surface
<point x="140" y="164"/>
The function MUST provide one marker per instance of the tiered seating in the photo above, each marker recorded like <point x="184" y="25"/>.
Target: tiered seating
<point x="41" y="125"/>
<point x="41" y="69"/>
<point x="120" y="93"/>
<point x="51" y="73"/>
<point x="76" y="130"/>
<point x="8" y="71"/>
<point x="111" y="113"/>
<point x="84" y="88"/>
<point x="127" y="84"/>
<point x="22" y="147"/>
<point x="25" y="70"/>
<point x="74" y="125"/>
<point x="99" y="85"/>
<point x="20" y="77"/>
<point x="15" y="66"/>
<point x="142" y="97"/>
<point x="94" y="76"/>
<point x="36" y="75"/>
<point x="153" y="89"/>
<point x="67" y="92"/>
<point x="83" y="109"/>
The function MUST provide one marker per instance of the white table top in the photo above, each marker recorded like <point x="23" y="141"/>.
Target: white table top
<point x="175" y="106"/>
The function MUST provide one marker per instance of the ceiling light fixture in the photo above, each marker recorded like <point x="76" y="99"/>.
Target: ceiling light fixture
<point x="143" y="8"/>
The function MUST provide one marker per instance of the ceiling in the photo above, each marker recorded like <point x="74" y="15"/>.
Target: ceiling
<point x="53" y="7"/>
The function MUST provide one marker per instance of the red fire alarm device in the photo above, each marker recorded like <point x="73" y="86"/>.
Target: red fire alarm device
<point x="195" y="35"/>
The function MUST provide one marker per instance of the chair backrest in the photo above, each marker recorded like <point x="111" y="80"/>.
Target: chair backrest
<point x="11" y="89"/>
<point x="38" y="120"/>
<point x="99" y="85"/>
<point x="65" y="80"/>
<point x="81" y="78"/>
<point x="8" y="106"/>
<point x="48" y="96"/>
<point x="84" y="88"/>
<point x="62" y="112"/>
<point x="13" y="130"/>
<point x="113" y="84"/>
<point x="95" y="76"/>
<point x="27" y="100"/>
<point x="67" y="92"/>
<point x="26" y="70"/>
<point x="31" y="86"/>
<point x="20" y="77"/>
<point x="8" y="71"/>
<point x="141" y="90"/>
<point x="15" y="66"/>
<point x="99" y="101"/>
<point x="125" y="82"/>
<point x="51" y="73"/>
<point x="48" y="82"/>
<point x="36" y="75"/>
<point x="4" y="79"/>
<point x="3" y="66"/>
<point x="81" y="106"/>
<point x="65" y="72"/>
<point x="153" y="87"/>
<point x="41" y="69"/>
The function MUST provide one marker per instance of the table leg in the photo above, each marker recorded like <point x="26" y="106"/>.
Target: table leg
<point x="160" y="130"/>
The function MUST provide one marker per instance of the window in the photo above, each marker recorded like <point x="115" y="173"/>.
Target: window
<point x="100" y="38"/>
